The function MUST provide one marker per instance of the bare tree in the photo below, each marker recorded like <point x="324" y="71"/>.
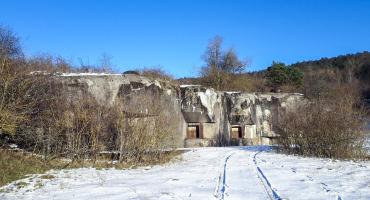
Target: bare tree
<point x="106" y="63"/>
<point x="10" y="46"/>
<point x="12" y="85"/>
<point x="231" y="63"/>
<point x="221" y="65"/>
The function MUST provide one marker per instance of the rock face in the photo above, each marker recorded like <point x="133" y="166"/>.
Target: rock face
<point x="233" y="118"/>
<point x="203" y="116"/>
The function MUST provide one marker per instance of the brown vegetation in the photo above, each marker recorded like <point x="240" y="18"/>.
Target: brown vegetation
<point x="80" y="128"/>
<point x="330" y="125"/>
<point x="222" y="68"/>
<point x="143" y="127"/>
<point x="15" y="165"/>
<point x="156" y="73"/>
<point x="39" y="115"/>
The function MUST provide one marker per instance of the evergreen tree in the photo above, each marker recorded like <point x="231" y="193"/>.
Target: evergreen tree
<point x="278" y="74"/>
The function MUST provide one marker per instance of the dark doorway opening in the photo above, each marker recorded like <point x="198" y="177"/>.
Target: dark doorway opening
<point x="193" y="131"/>
<point x="236" y="132"/>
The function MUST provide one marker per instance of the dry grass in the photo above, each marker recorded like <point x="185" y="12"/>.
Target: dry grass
<point x="108" y="163"/>
<point x="17" y="165"/>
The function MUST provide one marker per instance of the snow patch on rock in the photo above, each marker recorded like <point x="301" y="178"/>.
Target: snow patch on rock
<point x="209" y="98"/>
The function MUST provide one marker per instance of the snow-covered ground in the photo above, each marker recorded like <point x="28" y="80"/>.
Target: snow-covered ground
<point x="208" y="173"/>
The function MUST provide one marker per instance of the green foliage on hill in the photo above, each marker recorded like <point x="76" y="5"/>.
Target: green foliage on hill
<point x="279" y="74"/>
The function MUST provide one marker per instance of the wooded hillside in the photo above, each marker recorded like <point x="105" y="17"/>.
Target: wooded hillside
<point x="345" y="68"/>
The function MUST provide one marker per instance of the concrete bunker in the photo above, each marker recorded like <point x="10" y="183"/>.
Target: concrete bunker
<point x="201" y="115"/>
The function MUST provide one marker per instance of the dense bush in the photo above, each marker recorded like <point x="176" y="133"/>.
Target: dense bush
<point x="80" y="128"/>
<point x="326" y="126"/>
<point x="38" y="113"/>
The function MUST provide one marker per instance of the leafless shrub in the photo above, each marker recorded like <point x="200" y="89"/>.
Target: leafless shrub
<point x="80" y="128"/>
<point x="139" y="126"/>
<point x="144" y="128"/>
<point x="47" y="63"/>
<point x="22" y="96"/>
<point x="38" y="113"/>
<point x="10" y="46"/>
<point x="328" y="126"/>
<point x="83" y="126"/>
<point x="155" y="73"/>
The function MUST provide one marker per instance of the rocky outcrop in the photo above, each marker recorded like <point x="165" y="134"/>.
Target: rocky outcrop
<point x="106" y="87"/>
<point x="204" y="116"/>
<point x="255" y="115"/>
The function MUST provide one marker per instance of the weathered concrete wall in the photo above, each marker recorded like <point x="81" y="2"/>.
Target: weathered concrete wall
<point x="216" y="112"/>
<point x="107" y="89"/>
<point x="255" y="113"/>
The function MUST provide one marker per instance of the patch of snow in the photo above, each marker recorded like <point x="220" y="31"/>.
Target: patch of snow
<point x="87" y="74"/>
<point x="185" y="86"/>
<point x="207" y="173"/>
<point x="208" y="100"/>
<point x="231" y="92"/>
<point x="13" y="146"/>
<point x="39" y="73"/>
<point x="156" y="83"/>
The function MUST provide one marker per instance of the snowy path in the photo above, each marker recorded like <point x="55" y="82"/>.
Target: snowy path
<point x="208" y="173"/>
<point x="241" y="178"/>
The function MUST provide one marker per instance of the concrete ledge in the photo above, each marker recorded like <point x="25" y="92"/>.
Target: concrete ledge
<point x="199" y="142"/>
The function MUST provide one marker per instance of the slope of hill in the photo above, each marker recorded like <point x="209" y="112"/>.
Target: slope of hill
<point x="358" y="64"/>
<point x="345" y="69"/>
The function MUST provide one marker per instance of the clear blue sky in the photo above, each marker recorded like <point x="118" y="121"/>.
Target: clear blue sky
<point x="173" y="34"/>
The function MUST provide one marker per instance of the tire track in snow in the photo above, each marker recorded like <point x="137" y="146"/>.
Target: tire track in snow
<point x="221" y="183"/>
<point x="323" y="185"/>
<point x="268" y="187"/>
